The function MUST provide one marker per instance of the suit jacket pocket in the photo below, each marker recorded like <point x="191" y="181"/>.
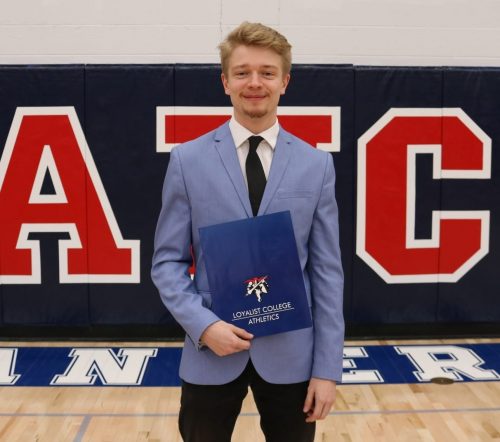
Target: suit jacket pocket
<point x="281" y="193"/>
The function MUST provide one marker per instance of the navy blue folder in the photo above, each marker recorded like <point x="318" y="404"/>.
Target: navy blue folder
<point x="254" y="274"/>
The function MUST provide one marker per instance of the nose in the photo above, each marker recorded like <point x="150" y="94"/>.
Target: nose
<point x="254" y="80"/>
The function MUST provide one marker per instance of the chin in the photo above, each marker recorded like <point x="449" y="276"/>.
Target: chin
<point x="256" y="113"/>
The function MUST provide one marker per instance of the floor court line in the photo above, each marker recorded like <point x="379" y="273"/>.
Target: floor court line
<point x="83" y="428"/>
<point x="252" y="414"/>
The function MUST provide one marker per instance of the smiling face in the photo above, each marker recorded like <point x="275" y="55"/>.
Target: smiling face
<point x="255" y="80"/>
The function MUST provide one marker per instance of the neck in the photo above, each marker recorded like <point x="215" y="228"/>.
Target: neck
<point x="256" y="125"/>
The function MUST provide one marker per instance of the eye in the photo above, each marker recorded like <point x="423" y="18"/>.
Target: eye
<point x="240" y="74"/>
<point x="269" y="74"/>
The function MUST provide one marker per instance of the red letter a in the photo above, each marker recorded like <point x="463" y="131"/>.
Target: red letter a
<point x="50" y="141"/>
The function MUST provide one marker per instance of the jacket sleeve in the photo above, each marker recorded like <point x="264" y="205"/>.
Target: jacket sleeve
<point x="172" y="256"/>
<point x="327" y="282"/>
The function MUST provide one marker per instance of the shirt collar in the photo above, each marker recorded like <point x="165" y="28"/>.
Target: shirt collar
<point x="240" y="133"/>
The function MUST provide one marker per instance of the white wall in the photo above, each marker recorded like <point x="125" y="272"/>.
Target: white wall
<point x="374" y="32"/>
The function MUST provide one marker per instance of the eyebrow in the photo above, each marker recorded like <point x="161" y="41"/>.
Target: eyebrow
<point x="266" y="66"/>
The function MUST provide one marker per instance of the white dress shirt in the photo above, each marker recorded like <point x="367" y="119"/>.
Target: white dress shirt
<point x="266" y="147"/>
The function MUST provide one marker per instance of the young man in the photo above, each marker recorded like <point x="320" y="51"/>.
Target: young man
<point x="220" y="177"/>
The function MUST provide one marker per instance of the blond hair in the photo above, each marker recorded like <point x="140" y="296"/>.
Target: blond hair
<point x="256" y="34"/>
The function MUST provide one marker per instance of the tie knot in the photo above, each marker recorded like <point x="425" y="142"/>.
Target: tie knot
<point x="254" y="141"/>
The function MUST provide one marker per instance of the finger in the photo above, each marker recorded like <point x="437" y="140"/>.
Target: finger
<point x="242" y="333"/>
<point x="242" y="344"/>
<point x="316" y="413"/>
<point x="309" y="401"/>
<point x="326" y="409"/>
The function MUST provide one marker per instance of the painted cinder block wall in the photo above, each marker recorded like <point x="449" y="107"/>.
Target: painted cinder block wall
<point x="367" y="32"/>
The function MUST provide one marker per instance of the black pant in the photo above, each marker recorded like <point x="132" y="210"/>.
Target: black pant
<point x="208" y="412"/>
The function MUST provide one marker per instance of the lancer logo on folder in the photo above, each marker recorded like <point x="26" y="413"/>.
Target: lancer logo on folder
<point x="257" y="286"/>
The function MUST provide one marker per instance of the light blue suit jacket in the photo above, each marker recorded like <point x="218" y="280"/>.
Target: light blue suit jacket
<point x="204" y="185"/>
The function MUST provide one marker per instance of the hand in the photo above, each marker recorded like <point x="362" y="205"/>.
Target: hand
<point x="320" y="399"/>
<point x="225" y="339"/>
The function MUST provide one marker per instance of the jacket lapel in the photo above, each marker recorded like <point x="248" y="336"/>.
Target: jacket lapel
<point x="227" y="150"/>
<point x="281" y="157"/>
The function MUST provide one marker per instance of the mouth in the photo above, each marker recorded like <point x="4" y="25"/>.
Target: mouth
<point x="254" y="97"/>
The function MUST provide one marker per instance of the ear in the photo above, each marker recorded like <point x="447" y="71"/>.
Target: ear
<point x="286" y="80"/>
<point x="224" y="83"/>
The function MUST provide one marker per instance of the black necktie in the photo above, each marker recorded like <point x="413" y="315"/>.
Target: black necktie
<point x="255" y="174"/>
